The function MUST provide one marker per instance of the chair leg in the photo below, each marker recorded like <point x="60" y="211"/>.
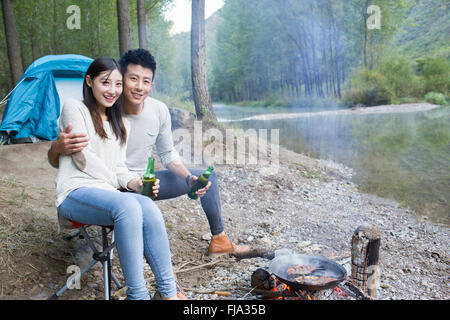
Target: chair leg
<point x="69" y="283"/>
<point x="111" y="256"/>
<point x="106" y="257"/>
<point x="106" y="266"/>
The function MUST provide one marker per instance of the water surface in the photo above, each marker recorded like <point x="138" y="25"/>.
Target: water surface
<point x="402" y="156"/>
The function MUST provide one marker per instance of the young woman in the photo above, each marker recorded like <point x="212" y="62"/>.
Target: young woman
<point x="88" y="181"/>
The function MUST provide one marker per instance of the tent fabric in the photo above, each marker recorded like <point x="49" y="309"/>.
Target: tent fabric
<point x="34" y="107"/>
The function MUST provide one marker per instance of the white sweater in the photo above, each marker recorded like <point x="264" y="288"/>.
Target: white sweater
<point x="104" y="159"/>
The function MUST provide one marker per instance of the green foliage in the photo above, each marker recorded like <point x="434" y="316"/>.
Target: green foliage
<point x="42" y="30"/>
<point x="181" y="101"/>
<point x="436" y="98"/>
<point x="399" y="73"/>
<point x="425" y="31"/>
<point x="436" y="73"/>
<point x="369" y="88"/>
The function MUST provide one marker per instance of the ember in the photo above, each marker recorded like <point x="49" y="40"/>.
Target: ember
<point x="272" y="288"/>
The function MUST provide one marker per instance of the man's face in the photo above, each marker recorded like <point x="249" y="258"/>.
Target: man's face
<point x="137" y="83"/>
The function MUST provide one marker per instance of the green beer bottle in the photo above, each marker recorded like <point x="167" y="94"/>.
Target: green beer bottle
<point x="149" y="179"/>
<point x="200" y="183"/>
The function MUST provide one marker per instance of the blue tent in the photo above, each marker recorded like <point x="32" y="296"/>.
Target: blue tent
<point x="35" y="103"/>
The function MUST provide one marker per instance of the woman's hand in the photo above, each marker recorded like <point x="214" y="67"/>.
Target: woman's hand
<point x="135" y="184"/>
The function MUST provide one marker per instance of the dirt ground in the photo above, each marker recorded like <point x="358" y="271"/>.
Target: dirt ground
<point x="312" y="208"/>
<point x="34" y="258"/>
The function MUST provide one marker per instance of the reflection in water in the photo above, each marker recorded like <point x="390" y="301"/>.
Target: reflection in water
<point x="403" y="156"/>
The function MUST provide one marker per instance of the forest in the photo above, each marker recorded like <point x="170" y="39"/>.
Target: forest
<point x="259" y="52"/>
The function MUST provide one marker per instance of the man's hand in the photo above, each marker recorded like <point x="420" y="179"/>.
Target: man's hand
<point x="68" y="143"/>
<point x="199" y="192"/>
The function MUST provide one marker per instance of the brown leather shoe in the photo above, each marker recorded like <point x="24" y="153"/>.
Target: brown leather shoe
<point x="221" y="244"/>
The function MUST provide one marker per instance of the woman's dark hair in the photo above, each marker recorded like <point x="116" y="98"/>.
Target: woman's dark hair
<point x="140" y="57"/>
<point x="114" y="114"/>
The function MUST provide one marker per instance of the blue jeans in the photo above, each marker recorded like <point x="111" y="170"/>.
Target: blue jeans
<point x="171" y="186"/>
<point x="139" y="231"/>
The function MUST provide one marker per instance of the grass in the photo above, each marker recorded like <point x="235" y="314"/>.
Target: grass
<point x="180" y="102"/>
<point x="31" y="250"/>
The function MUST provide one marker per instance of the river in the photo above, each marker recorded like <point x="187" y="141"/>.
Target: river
<point x="403" y="156"/>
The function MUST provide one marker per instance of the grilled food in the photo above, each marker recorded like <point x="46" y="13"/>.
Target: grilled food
<point x="300" y="270"/>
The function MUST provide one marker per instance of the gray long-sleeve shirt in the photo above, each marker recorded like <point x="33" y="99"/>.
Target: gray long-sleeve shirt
<point x="151" y="127"/>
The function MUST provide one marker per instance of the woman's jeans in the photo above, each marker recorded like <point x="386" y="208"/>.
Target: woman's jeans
<point x="139" y="231"/>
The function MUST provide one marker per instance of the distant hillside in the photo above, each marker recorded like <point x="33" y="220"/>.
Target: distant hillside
<point x="427" y="31"/>
<point x="211" y="25"/>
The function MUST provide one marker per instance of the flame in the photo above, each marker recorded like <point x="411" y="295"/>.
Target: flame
<point x="288" y="292"/>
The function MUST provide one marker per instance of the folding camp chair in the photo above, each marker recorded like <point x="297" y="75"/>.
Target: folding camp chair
<point x="105" y="257"/>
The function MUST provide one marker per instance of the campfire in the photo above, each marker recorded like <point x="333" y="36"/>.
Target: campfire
<point x="293" y="276"/>
<point x="269" y="286"/>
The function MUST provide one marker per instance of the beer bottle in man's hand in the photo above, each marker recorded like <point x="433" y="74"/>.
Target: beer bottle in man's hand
<point x="149" y="179"/>
<point x="200" y="183"/>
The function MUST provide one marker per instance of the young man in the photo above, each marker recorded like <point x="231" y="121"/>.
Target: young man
<point x="151" y="125"/>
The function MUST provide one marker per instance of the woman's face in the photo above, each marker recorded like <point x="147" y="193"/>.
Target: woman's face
<point x="106" y="87"/>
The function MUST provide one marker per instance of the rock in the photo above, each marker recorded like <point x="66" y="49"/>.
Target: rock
<point x="207" y="236"/>
<point x="181" y="118"/>
<point x="303" y="244"/>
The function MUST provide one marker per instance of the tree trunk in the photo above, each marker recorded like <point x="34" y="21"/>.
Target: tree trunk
<point x="202" y="99"/>
<point x="12" y="41"/>
<point x="32" y="35"/>
<point x="55" y="22"/>
<point x="123" y="16"/>
<point x="142" y="25"/>
<point x="365" y="255"/>
<point x="99" y="29"/>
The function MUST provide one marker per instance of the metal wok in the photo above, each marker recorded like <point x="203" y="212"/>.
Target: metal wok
<point x="324" y="268"/>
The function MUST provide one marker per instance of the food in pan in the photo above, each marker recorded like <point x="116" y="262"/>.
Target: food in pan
<point x="300" y="270"/>
<point x="314" y="280"/>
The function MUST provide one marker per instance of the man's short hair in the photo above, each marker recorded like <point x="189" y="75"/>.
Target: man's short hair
<point x="140" y="57"/>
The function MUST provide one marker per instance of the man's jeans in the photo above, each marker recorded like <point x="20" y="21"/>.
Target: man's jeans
<point x="139" y="230"/>
<point x="171" y="186"/>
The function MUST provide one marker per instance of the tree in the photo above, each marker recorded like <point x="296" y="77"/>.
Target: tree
<point x="142" y="24"/>
<point x="202" y="99"/>
<point x="123" y="15"/>
<point x="12" y="41"/>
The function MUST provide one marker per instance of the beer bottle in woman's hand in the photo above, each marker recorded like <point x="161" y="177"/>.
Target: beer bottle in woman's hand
<point x="149" y="179"/>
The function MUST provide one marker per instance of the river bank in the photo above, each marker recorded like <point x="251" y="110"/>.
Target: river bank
<point x="385" y="109"/>
<point x="310" y="206"/>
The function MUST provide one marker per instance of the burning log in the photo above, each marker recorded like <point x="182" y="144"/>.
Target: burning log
<point x="255" y="253"/>
<point x="365" y="253"/>
<point x="261" y="279"/>
<point x="268" y="285"/>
